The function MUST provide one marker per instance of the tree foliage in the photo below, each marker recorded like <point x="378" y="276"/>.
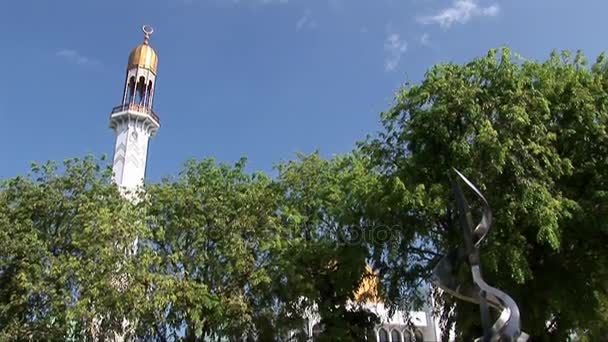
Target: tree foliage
<point x="64" y="242"/>
<point x="325" y="261"/>
<point x="221" y="252"/>
<point x="534" y="137"/>
<point x="215" y="234"/>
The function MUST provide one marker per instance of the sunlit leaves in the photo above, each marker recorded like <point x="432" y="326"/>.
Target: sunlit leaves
<point x="64" y="239"/>
<point x="534" y="137"/>
<point x="215" y="230"/>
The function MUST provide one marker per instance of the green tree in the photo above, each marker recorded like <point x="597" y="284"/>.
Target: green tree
<point x="220" y="253"/>
<point x="215" y="232"/>
<point x="325" y="261"/>
<point x="534" y="137"/>
<point x="64" y="242"/>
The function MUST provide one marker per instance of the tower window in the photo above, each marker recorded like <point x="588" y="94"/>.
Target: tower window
<point x="395" y="336"/>
<point x="418" y="336"/>
<point x="407" y="336"/>
<point x="141" y="91"/>
<point x="382" y="335"/>
<point x="149" y="95"/>
<point x="131" y="89"/>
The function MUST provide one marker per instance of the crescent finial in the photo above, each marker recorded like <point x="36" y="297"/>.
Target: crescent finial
<point x="148" y="30"/>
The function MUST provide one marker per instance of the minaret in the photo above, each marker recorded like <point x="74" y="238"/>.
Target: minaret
<point x="134" y="121"/>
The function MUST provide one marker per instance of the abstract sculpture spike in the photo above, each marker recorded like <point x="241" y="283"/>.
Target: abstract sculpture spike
<point x="507" y="327"/>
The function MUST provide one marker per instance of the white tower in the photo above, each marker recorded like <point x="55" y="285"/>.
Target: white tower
<point x="134" y="121"/>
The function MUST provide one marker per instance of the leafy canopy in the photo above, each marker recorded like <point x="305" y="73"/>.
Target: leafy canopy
<point x="223" y="252"/>
<point x="534" y="137"/>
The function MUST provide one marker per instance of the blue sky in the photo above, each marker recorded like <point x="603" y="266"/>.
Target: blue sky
<point x="257" y="78"/>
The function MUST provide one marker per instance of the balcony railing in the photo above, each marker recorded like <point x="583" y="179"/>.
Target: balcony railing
<point x="136" y="108"/>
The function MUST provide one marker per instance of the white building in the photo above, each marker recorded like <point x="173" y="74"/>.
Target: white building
<point x="391" y="328"/>
<point x="134" y="121"/>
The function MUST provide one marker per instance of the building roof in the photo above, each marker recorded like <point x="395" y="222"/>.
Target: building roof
<point x="144" y="56"/>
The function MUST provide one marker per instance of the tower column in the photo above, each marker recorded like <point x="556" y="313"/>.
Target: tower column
<point x="134" y="121"/>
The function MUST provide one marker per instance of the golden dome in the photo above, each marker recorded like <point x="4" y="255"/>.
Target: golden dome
<point x="368" y="290"/>
<point x="144" y="55"/>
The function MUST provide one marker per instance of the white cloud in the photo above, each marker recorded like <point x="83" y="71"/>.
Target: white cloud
<point x="306" y="21"/>
<point x="460" y="12"/>
<point x="394" y="47"/>
<point x="76" y="57"/>
<point x="425" y="39"/>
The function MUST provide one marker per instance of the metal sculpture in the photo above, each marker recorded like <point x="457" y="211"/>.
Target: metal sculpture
<point x="507" y="327"/>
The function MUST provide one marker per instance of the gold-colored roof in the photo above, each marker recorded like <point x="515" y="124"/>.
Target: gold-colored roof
<point x="144" y="56"/>
<point x="368" y="290"/>
<point x="367" y="293"/>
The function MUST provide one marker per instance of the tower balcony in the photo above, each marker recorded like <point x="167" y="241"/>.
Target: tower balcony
<point x="132" y="111"/>
<point x="136" y="108"/>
